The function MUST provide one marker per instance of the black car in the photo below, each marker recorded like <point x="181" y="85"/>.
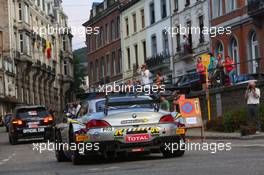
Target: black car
<point x="30" y="122"/>
<point x="6" y="120"/>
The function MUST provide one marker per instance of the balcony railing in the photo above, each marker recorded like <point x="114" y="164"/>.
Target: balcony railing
<point x="255" y="7"/>
<point x="158" y="60"/>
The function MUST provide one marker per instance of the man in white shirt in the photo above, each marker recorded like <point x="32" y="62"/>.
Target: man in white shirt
<point x="145" y="75"/>
<point x="252" y="96"/>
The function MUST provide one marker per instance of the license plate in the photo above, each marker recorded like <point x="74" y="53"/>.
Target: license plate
<point x="33" y="124"/>
<point x="33" y="130"/>
<point x="138" y="150"/>
<point x="80" y="138"/>
<point x="137" y="138"/>
<point x="180" y="131"/>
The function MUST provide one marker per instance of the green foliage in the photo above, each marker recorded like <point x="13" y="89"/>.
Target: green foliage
<point x="232" y="121"/>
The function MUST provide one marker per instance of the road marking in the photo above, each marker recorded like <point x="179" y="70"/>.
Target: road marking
<point x="5" y="160"/>
<point x="252" y="145"/>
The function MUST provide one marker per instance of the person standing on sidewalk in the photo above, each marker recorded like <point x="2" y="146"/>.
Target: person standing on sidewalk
<point x="252" y="96"/>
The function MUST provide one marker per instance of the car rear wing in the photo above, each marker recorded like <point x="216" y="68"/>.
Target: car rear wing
<point x="108" y="104"/>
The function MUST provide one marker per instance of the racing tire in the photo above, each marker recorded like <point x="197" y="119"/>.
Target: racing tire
<point x="169" y="153"/>
<point x="12" y="140"/>
<point x="76" y="158"/>
<point x="60" y="156"/>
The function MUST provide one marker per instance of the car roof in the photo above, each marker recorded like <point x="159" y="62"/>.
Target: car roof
<point x="29" y="107"/>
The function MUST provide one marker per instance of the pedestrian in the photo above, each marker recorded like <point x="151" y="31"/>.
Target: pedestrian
<point x="165" y="104"/>
<point x="201" y="70"/>
<point x="220" y="68"/>
<point x="252" y="96"/>
<point x="145" y="75"/>
<point x="230" y="69"/>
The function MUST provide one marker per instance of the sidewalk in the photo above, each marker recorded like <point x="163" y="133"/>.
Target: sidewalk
<point x="196" y="133"/>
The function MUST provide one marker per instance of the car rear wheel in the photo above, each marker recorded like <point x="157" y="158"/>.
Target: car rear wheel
<point x="173" y="149"/>
<point x="59" y="153"/>
<point x="12" y="140"/>
<point x="76" y="158"/>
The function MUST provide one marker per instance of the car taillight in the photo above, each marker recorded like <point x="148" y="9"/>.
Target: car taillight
<point x="97" y="124"/>
<point x="167" y="119"/>
<point x="17" y="122"/>
<point x="48" y="119"/>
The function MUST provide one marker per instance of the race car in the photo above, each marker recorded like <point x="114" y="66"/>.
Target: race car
<point x="119" y="126"/>
<point x="30" y="122"/>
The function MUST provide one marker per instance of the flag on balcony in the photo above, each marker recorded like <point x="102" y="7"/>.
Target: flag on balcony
<point x="48" y="49"/>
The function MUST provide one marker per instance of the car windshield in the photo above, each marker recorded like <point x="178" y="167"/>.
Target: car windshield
<point x="100" y="105"/>
<point x="32" y="112"/>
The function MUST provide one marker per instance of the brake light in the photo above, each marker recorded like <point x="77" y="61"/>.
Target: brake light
<point x="97" y="124"/>
<point x="167" y="119"/>
<point x="48" y="119"/>
<point x="17" y="122"/>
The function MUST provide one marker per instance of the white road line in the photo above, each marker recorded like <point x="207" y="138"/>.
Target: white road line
<point x="5" y="160"/>
<point x="93" y="169"/>
<point x="251" y="145"/>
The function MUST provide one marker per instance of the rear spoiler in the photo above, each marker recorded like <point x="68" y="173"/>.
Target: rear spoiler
<point x="155" y="102"/>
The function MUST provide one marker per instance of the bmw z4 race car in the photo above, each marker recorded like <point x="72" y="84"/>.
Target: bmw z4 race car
<point x="118" y="126"/>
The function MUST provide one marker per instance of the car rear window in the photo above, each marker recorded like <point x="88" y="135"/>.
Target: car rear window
<point x="100" y="105"/>
<point x="32" y="112"/>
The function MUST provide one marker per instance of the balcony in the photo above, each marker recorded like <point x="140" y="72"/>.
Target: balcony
<point x="255" y="8"/>
<point x="66" y="54"/>
<point x="158" y="61"/>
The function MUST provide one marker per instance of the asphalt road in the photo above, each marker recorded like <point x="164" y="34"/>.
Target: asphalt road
<point x="245" y="158"/>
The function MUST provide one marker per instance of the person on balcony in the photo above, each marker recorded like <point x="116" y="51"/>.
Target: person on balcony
<point x="230" y="69"/>
<point x="201" y="70"/>
<point x="145" y="75"/>
<point x="220" y="69"/>
<point x="159" y="79"/>
<point x="212" y="66"/>
<point x="186" y="45"/>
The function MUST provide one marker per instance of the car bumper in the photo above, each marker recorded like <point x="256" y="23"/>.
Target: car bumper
<point x="19" y="134"/>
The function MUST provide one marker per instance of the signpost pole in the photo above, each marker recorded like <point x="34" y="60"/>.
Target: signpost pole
<point x="208" y="97"/>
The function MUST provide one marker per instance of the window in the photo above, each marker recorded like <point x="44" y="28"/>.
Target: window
<point x="106" y="33"/>
<point x="19" y="12"/>
<point x="64" y="43"/>
<point x="152" y="13"/>
<point x="127" y="27"/>
<point x="112" y="30"/>
<point x="165" y="41"/>
<point x="154" y="45"/>
<point x="230" y="5"/>
<point x="136" y="54"/>
<point x="27" y="43"/>
<point x="234" y="54"/>
<point x="113" y="63"/>
<point x="163" y="9"/>
<point x="91" y="72"/>
<point x="217" y="8"/>
<point x="254" y="52"/>
<point x="21" y="43"/>
<point x="178" y="39"/>
<point x="96" y="70"/>
<point x="128" y="58"/>
<point x="219" y="49"/>
<point x="201" y="25"/>
<point x="65" y="66"/>
<point x="102" y="67"/>
<point x="187" y="3"/>
<point x="118" y="27"/>
<point x="120" y="61"/>
<point x="144" y="50"/>
<point x="176" y="5"/>
<point x="142" y="13"/>
<point x="135" y="22"/>
<point x="108" y="67"/>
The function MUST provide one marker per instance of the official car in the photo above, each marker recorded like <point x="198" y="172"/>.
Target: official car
<point x="118" y="126"/>
<point x="30" y="122"/>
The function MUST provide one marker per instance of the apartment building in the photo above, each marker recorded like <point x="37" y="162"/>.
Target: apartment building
<point x="246" y="40"/>
<point x="188" y="14"/>
<point x="144" y="37"/>
<point x="37" y="65"/>
<point x="103" y="43"/>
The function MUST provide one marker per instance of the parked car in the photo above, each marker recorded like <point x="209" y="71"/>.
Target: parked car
<point x="119" y="125"/>
<point x="30" y="122"/>
<point x="6" y="120"/>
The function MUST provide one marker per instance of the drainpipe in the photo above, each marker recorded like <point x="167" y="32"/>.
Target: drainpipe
<point x="172" y="52"/>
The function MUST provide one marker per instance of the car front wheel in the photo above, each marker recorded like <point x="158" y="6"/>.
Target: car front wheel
<point x="59" y="153"/>
<point x="12" y="140"/>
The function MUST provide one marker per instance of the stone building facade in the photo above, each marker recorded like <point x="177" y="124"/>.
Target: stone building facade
<point x="37" y="63"/>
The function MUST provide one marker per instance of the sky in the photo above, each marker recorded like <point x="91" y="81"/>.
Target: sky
<point x="78" y="12"/>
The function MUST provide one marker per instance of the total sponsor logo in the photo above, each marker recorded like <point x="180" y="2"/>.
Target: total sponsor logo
<point x="137" y="138"/>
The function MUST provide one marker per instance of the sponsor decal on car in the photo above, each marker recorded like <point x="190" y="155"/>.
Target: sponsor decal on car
<point x="118" y="133"/>
<point x="180" y="131"/>
<point x="137" y="138"/>
<point x="154" y="131"/>
<point x="33" y="130"/>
